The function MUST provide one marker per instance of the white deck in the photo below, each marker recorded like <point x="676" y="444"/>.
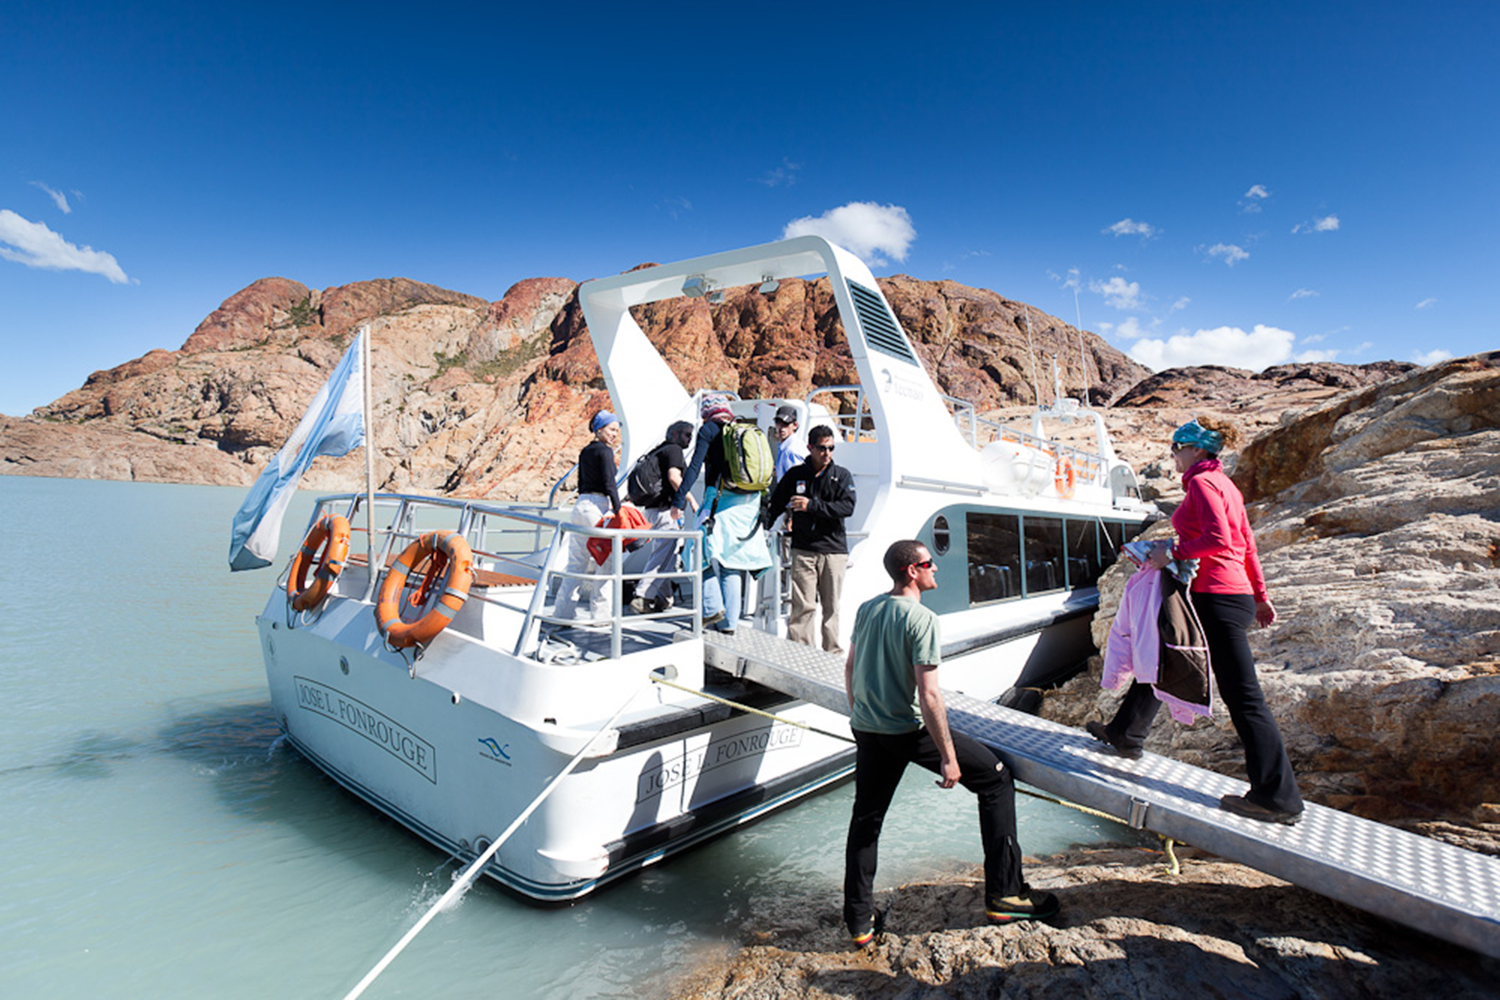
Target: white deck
<point x="1439" y="889"/>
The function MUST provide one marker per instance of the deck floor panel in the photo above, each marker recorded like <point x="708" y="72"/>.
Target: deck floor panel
<point x="1438" y="888"/>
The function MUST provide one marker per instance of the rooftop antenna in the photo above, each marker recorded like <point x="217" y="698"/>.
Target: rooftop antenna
<point x="1036" y="390"/>
<point x="1083" y="360"/>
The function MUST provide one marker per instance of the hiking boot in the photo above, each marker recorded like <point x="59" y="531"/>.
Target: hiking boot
<point x="1241" y="806"/>
<point x="1029" y="904"/>
<point x="876" y="927"/>
<point x="660" y="604"/>
<point x="714" y="618"/>
<point x="1098" y="732"/>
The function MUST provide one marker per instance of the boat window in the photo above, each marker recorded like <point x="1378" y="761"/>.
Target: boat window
<point x="1114" y="537"/>
<point x="1083" y="554"/>
<point x="1044" y="554"/>
<point x="940" y="538"/>
<point x="994" y="556"/>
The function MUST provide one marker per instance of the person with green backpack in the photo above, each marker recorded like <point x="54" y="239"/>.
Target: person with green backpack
<point x="735" y="462"/>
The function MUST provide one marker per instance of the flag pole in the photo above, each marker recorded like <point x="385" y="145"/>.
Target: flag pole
<point x="364" y="368"/>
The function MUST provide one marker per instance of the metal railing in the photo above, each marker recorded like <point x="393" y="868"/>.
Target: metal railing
<point x="523" y="542"/>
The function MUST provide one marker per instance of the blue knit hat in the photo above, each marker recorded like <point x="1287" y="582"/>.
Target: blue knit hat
<point x="1196" y="435"/>
<point x="602" y="419"/>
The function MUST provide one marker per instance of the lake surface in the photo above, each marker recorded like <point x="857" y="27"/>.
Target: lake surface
<point x="160" y="841"/>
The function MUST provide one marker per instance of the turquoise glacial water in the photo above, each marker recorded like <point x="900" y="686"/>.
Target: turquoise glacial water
<point x="160" y="842"/>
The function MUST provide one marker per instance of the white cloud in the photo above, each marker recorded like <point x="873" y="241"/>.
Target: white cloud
<point x="675" y="207"/>
<point x="1118" y="292"/>
<point x="33" y="244"/>
<point x="1258" y="191"/>
<point x="1302" y="293"/>
<point x="1181" y="303"/>
<point x="1073" y="280"/>
<point x="1224" y="345"/>
<point x="1309" y="357"/>
<point x="1432" y="357"/>
<point x="1130" y="329"/>
<point x="1426" y="303"/>
<point x="872" y="232"/>
<point x="60" y="199"/>
<point x="1232" y="254"/>
<point x="1250" y="200"/>
<point x="1327" y="224"/>
<point x="782" y="176"/>
<point x="1129" y="227"/>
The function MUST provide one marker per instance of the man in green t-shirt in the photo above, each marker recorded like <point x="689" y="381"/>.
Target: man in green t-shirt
<point x="897" y="714"/>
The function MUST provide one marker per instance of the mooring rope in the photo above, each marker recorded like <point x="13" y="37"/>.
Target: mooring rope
<point x="462" y="883"/>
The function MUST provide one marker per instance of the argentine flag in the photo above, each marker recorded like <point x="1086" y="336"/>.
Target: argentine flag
<point x="333" y="425"/>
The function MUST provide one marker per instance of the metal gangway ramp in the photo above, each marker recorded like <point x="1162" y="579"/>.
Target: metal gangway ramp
<point x="1434" y="887"/>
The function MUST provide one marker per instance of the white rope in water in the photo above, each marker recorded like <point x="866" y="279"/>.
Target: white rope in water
<point x="461" y="884"/>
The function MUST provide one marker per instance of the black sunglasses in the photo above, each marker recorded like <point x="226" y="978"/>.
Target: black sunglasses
<point x="823" y="447"/>
<point x="926" y="564"/>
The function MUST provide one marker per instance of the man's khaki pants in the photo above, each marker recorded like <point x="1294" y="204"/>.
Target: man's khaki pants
<point x="816" y="578"/>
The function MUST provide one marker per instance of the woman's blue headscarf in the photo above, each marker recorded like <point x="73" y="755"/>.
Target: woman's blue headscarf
<point x="1196" y="435"/>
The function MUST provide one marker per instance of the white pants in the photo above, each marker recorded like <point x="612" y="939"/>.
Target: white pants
<point x="659" y="557"/>
<point x="574" y="591"/>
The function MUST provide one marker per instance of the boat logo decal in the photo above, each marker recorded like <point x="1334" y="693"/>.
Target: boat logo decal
<point x="673" y="771"/>
<point x="900" y="385"/>
<point x="355" y="716"/>
<point x="497" y="752"/>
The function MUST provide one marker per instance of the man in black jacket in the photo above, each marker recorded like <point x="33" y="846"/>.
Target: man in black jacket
<point x="818" y="495"/>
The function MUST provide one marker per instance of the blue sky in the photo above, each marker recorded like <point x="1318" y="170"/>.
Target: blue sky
<point x="1234" y="183"/>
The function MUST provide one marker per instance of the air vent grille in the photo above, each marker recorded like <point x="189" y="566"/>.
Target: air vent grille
<point x="881" y="331"/>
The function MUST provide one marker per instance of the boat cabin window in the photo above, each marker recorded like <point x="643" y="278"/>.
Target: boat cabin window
<point x="994" y="542"/>
<point x="940" y="537"/>
<point x="1044" y="555"/>
<point x="1083" y="554"/>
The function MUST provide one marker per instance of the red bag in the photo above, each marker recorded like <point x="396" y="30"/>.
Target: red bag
<point x="629" y="517"/>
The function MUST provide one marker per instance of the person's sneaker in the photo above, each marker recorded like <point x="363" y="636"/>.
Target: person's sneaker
<point x="714" y="618"/>
<point x="1241" y="806"/>
<point x="640" y="605"/>
<point x="1097" y="731"/>
<point x="877" y="925"/>
<point x="660" y="604"/>
<point x="1029" y="904"/>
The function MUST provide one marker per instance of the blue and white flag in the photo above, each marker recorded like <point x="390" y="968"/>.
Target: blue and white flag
<point x="333" y="425"/>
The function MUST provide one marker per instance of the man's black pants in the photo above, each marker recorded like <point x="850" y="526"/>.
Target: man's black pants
<point x="880" y="760"/>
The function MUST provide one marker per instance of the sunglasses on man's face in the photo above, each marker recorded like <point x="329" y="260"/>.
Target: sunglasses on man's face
<point x="823" y="447"/>
<point x="925" y="564"/>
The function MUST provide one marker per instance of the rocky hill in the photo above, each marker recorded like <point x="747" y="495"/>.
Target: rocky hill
<point x="489" y="399"/>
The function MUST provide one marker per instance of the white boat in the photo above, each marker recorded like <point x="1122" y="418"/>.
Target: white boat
<point x="456" y="737"/>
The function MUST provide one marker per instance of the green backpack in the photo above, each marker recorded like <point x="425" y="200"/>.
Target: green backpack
<point x="747" y="453"/>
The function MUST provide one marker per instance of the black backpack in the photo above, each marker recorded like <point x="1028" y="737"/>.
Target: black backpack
<point x="643" y="485"/>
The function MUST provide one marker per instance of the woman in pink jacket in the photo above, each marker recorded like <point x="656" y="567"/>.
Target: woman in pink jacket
<point x="1228" y="593"/>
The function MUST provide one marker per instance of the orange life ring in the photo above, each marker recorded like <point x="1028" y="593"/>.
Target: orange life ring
<point x="447" y="555"/>
<point x="1064" y="477"/>
<point x="331" y="534"/>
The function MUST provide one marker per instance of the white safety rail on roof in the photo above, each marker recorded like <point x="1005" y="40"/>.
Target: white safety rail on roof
<point x="1437" y="888"/>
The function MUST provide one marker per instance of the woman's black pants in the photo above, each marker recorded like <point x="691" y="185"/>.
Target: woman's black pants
<point x="1225" y="619"/>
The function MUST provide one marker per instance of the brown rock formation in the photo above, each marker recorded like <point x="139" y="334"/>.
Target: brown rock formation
<point x="489" y="399"/>
<point x="1127" y="929"/>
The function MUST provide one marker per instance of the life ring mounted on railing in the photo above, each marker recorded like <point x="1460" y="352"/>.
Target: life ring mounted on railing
<point x="1064" y="476"/>
<point x="450" y="566"/>
<point x="331" y="535"/>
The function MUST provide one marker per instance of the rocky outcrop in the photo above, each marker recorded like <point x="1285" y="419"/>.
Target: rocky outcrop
<point x="490" y="399"/>
<point x="1378" y="520"/>
<point x="1128" y="928"/>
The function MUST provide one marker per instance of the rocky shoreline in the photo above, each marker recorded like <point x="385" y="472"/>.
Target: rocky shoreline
<point x="1128" y="928"/>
